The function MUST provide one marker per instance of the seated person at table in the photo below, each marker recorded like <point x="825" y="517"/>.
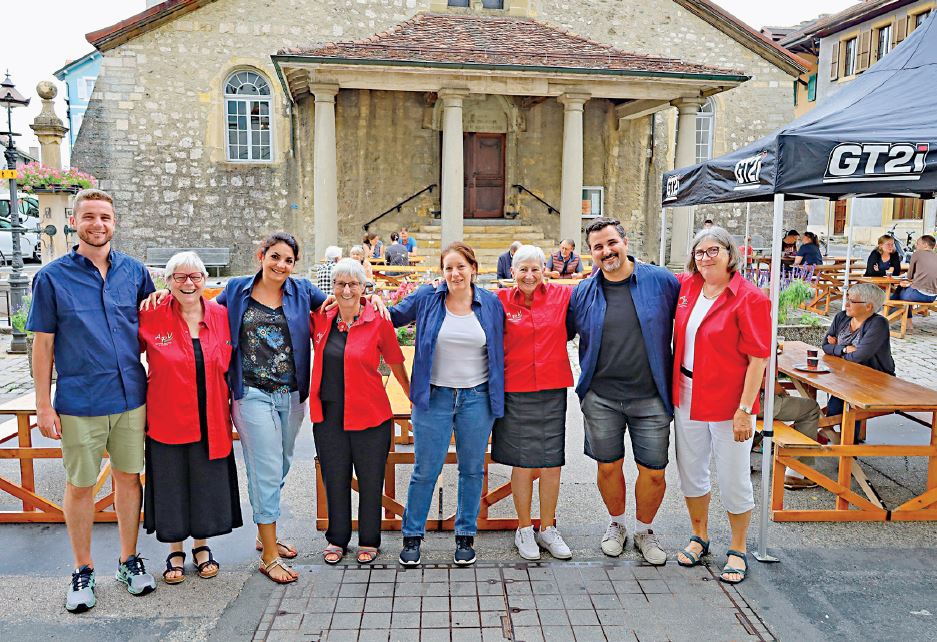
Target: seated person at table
<point x="505" y="260"/>
<point x="359" y="254"/>
<point x="747" y="251"/>
<point x="396" y="253"/>
<point x="789" y="243"/>
<point x="809" y="252"/>
<point x="333" y="255"/>
<point x="564" y="263"/>
<point x="373" y="245"/>
<point x="921" y="282"/>
<point x="407" y="241"/>
<point x="884" y="260"/>
<point x="859" y="334"/>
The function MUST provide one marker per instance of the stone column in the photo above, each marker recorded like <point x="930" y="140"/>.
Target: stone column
<point x="682" y="217"/>
<point x="52" y="205"/>
<point x="571" y="190"/>
<point x="453" y="169"/>
<point x="325" y="195"/>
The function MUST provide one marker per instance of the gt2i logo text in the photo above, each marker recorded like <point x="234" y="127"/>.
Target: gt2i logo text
<point x="851" y="162"/>
<point x="673" y="187"/>
<point x="748" y="172"/>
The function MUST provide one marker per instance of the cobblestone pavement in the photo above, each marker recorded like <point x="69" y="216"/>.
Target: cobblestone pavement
<point x="524" y="602"/>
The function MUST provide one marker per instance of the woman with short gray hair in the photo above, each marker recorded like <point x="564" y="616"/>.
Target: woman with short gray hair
<point x="350" y="411"/>
<point x="358" y="253"/>
<point x="531" y="436"/>
<point x="723" y="238"/>
<point x="859" y="334"/>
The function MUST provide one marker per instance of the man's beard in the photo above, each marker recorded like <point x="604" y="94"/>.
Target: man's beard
<point x="90" y="240"/>
<point x="614" y="266"/>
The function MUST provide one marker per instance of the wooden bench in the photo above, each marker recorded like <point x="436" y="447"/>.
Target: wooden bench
<point x="212" y="257"/>
<point x="895" y="310"/>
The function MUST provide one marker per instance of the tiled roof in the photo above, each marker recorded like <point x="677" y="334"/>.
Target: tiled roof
<point x="111" y="36"/>
<point x="433" y="38"/>
<point x="848" y="17"/>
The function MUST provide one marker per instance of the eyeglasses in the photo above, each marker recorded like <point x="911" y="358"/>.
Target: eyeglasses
<point x="854" y="302"/>
<point x="711" y="252"/>
<point x="353" y="285"/>
<point x="181" y="277"/>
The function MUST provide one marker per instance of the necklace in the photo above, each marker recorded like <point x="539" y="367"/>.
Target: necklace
<point x="714" y="296"/>
<point x="344" y="326"/>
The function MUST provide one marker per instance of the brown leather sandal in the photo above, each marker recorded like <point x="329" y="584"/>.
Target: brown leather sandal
<point x="265" y="569"/>
<point x="290" y="553"/>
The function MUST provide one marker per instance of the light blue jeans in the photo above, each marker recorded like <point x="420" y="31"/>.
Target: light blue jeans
<point x="467" y="412"/>
<point x="267" y="424"/>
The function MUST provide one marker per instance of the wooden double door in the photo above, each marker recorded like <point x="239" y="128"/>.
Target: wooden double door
<point x="483" y="156"/>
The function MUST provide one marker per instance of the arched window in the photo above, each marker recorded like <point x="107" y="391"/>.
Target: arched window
<point x="704" y="132"/>
<point x="247" y="110"/>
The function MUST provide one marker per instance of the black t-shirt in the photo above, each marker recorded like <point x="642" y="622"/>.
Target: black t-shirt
<point x="201" y="388"/>
<point x="267" y="350"/>
<point x="622" y="370"/>
<point x="333" y="365"/>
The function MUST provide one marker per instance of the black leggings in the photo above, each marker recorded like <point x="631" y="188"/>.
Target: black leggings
<point x="339" y="450"/>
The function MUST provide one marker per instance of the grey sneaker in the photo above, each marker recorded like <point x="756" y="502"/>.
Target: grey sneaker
<point x="80" y="596"/>
<point x="550" y="540"/>
<point x="646" y="542"/>
<point x="613" y="542"/>
<point x="133" y="574"/>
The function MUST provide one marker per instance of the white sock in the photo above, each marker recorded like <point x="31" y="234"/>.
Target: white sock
<point x="790" y="472"/>
<point x="618" y="519"/>
<point x="641" y="526"/>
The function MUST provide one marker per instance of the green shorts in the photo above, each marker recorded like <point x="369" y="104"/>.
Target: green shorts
<point x="84" y="440"/>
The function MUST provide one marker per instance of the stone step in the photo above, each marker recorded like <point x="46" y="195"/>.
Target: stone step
<point x="474" y="229"/>
<point x="492" y="244"/>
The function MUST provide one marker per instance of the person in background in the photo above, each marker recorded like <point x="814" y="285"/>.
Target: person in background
<point x="564" y="263"/>
<point x="722" y="341"/>
<point x="789" y="243"/>
<point x="457" y="386"/>
<point x="191" y="478"/>
<point x="861" y="335"/>
<point x="531" y="437"/>
<point x="708" y="223"/>
<point x="504" y="261"/>
<point x="407" y="241"/>
<point x="884" y="260"/>
<point x="359" y="254"/>
<point x="921" y="282"/>
<point x="809" y="252"/>
<point x="373" y="245"/>
<point x="396" y="253"/>
<point x="350" y="411"/>
<point x="333" y="254"/>
<point x="747" y="251"/>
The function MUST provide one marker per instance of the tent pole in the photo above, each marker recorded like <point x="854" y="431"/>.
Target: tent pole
<point x="748" y="244"/>
<point x="852" y="218"/>
<point x="663" y="234"/>
<point x="761" y="554"/>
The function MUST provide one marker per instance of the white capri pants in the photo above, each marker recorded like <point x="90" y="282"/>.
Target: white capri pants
<point x="697" y="442"/>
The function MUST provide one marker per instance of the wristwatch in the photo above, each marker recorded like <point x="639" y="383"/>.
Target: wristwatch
<point x="746" y="409"/>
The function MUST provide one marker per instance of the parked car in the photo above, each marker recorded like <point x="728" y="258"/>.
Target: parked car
<point x="30" y="243"/>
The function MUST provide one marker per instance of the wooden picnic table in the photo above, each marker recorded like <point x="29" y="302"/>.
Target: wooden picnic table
<point x="828" y="282"/>
<point x="414" y="260"/>
<point x="866" y="393"/>
<point x="887" y="283"/>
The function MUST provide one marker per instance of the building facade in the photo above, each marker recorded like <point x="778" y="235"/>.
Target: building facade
<point x="214" y="122"/>
<point x="79" y="77"/>
<point x="847" y="44"/>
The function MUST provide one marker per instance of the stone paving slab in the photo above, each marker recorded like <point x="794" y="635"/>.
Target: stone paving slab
<point x="521" y="602"/>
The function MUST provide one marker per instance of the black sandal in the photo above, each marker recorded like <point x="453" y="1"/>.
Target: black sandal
<point x="172" y="569"/>
<point x="209" y="562"/>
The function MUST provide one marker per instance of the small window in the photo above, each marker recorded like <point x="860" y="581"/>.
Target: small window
<point x="812" y="88"/>
<point x="85" y="87"/>
<point x="882" y="41"/>
<point x="248" y="117"/>
<point x="704" y="132"/>
<point x="908" y="209"/>
<point x="459" y="3"/>
<point x="849" y="57"/>
<point x="493" y="4"/>
<point x="920" y="18"/>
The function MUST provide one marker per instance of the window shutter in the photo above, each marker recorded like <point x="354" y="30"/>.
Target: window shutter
<point x="834" y="64"/>
<point x="901" y="30"/>
<point x="812" y="88"/>
<point x="865" y="50"/>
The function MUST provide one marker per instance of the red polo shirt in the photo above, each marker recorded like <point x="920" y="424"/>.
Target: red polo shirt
<point x="738" y="326"/>
<point x="535" y="356"/>
<point x="172" y="393"/>
<point x="369" y="338"/>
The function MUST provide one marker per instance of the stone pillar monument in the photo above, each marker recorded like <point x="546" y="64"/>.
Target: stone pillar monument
<point x="53" y="205"/>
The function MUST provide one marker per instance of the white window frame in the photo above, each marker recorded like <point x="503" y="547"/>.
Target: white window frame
<point x="920" y="17"/>
<point x="850" y="56"/>
<point x="85" y="87"/>
<point x="705" y="127"/>
<point x="886" y="31"/>
<point x="243" y="104"/>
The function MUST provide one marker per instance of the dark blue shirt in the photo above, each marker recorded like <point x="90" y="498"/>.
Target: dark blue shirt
<point x="811" y="254"/>
<point x="300" y="297"/>
<point x="427" y="306"/>
<point x="504" y="265"/>
<point x="410" y="244"/>
<point x="95" y="323"/>
<point x="654" y="291"/>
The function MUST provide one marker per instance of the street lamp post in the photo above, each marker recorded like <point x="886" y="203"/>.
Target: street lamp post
<point x="11" y="98"/>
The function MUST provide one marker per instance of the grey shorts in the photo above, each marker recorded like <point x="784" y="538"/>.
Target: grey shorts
<point x="607" y="420"/>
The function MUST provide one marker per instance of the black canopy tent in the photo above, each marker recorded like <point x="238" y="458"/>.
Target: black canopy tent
<point x="876" y="137"/>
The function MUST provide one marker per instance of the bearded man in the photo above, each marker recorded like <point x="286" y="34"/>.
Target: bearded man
<point x="84" y="313"/>
<point x="624" y="318"/>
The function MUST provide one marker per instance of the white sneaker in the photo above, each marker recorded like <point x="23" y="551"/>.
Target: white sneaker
<point x="550" y="540"/>
<point x="646" y="542"/>
<point x="526" y="543"/>
<point x="613" y="542"/>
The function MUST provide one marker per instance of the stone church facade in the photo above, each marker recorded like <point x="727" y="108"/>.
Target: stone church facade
<point x="214" y="122"/>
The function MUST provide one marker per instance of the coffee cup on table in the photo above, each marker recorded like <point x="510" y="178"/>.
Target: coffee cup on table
<point x="813" y="363"/>
<point x="813" y="353"/>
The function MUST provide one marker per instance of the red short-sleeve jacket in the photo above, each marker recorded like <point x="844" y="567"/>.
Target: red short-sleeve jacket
<point x="172" y="394"/>
<point x="535" y="356"/>
<point x="738" y="326"/>
<point x="369" y="338"/>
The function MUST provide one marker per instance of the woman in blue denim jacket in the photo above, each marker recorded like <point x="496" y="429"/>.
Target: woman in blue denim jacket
<point x="457" y="385"/>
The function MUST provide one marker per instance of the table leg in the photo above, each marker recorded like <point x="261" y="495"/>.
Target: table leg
<point x="847" y="437"/>
<point x="27" y="474"/>
<point x="932" y="461"/>
<point x="864" y="484"/>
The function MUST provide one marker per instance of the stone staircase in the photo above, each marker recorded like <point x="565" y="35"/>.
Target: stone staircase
<point x="488" y="241"/>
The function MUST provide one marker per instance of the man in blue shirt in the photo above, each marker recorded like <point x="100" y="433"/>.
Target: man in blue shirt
<point x="505" y="260"/>
<point x="84" y="313"/>
<point x="407" y="241"/>
<point x="624" y="317"/>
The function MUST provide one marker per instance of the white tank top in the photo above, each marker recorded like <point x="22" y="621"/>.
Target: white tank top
<point x="461" y="356"/>
<point x="700" y="310"/>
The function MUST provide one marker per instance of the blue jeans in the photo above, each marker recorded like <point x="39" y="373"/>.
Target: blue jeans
<point x="267" y="424"/>
<point x="467" y="412"/>
<point x="910" y="294"/>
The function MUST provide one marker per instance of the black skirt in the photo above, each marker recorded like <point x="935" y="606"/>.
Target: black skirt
<point x="532" y="433"/>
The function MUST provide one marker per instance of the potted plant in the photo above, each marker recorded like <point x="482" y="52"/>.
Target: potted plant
<point x="36" y="177"/>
